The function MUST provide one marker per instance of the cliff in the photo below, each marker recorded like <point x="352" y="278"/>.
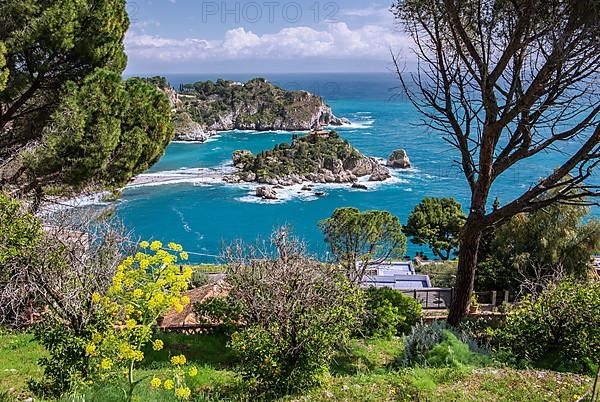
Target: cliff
<point x="203" y="108"/>
<point x="319" y="157"/>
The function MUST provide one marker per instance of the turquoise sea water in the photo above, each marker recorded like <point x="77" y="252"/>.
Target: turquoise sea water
<point x="202" y="216"/>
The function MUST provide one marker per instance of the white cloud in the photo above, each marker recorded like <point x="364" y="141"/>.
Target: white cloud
<point x="337" y="41"/>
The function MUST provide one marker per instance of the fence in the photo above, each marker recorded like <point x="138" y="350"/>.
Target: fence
<point x="441" y="298"/>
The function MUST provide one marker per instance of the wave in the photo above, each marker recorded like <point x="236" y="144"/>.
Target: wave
<point x="82" y="201"/>
<point x="185" y="224"/>
<point x="295" y="192"/>
<point x="354" y="124"/>
<point x="195" y="176"/>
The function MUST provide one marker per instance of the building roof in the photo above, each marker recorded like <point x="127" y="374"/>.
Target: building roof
<point x="187" y="317"/>
<point x="400" y="281"/>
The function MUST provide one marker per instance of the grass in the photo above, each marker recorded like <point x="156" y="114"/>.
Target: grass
<point x="19" y="354"/>
<point x="364" y="370"/>
<point x="209" y="268"/>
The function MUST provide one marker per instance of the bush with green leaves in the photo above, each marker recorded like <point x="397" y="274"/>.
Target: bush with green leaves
<point x="422" y="346"/>
<point x="562" y="324"/>
<point x="20" y="231"/>
<point x="223" y="313"/>
<point x="556" y="240"/>
<point x="294" y="312"/>
<point x="66" y="366"/>
<point x="453" y="352"/>
<point x="389" y="313"/>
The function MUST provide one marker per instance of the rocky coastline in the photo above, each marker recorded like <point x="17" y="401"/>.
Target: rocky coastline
<point x="202" y="109"/>
<point x="320" y="157"/>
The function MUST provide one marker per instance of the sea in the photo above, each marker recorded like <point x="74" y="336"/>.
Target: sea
<point x="204" y="215"/>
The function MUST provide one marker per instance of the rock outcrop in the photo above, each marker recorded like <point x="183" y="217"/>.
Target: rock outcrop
<point x="360" y="186"/>
<point x="266" y="193"/>
<point x="380" y="173"/>
<point x="318" y="157"/>
<point x="399" y="160"/>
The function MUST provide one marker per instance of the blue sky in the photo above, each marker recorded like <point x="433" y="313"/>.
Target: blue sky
<point x="196" y="36"/>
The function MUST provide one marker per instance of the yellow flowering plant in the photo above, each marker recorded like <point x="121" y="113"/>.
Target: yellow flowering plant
<point x="144" y="288"/>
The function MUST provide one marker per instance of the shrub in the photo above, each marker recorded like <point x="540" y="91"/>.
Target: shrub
<point x="452" y="352"/>
<point x="436" y="343"/>
<point x="224" y="313"/>
<point x="66" y="365"/>
<point x="563" y="321"/>
<point x="294" y="311"/>
<point x="144" y="288"/>
<point x="421" y="340"/>
<point x="389" y="313"/>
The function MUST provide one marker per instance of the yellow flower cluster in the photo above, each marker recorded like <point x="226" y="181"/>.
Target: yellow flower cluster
<point x="178" y="360"/>
<point x="145" y="287"/>
<point x="90" y="349"/>
<point x="127" y="353"/>
<point x="183" y="393"/>
<point x="157" y="344"/>
<point x="106" y="364"/>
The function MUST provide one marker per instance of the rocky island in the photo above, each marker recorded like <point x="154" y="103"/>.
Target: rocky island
<point x="203" y="108"/>
<point x="318" y="157"/>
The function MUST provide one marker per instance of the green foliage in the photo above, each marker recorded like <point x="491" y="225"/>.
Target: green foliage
<point x="452" y="352"/>
<point x="537" y="244"/>
<point x="305" y="155"/>
<point x="356" y="238"/>
<point x="281" y="358"/>
<point x="262" y="104"/>
<point x="223" y="313"/>
<point x="3" y="70"/>
<point x="390" y="313"/>
<point x="146" y="130"/>
<point x="20" y="232"/>
<point x="422" y="346"/>
<point x="442" y="274"/>
<point x="64" y="93"/>
<point x="436" y="222"/>
<point x="563" y="321"/>
<point x="294" y="312"/>
<point x="50" y="43"/>
<point x="67" y="365"/>
<point x="104" y="131"/>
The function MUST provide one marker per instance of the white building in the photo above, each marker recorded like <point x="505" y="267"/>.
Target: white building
<point x="396" y="275"/>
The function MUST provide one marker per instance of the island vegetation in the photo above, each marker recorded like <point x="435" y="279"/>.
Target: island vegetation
<point x="319" y="157"/>
<point x="205" y="107"/>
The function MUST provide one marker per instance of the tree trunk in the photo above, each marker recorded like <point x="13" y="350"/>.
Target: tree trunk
<point x="470" y="238"/>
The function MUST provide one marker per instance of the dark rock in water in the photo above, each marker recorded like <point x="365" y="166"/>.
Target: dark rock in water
<point x="266" y="193"/>
<point x="320" y="194"/>
<point x="234" y="178"/>
<point x="360" y="186"/>
<point x="399" y="160"/>
<point x="306" y="188"/>
<point x="380" y="174"/>
<point x="279" y="187"/>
